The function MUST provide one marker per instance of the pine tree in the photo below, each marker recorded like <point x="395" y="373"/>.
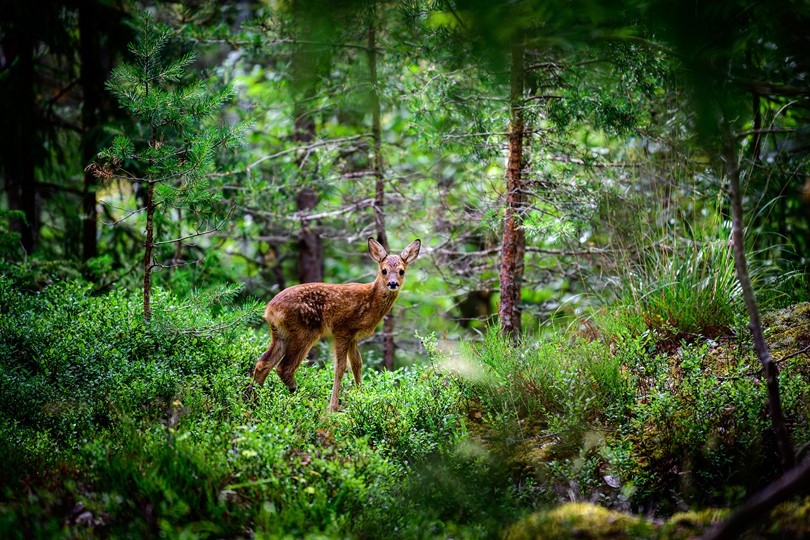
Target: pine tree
<point x="176" y="154"/>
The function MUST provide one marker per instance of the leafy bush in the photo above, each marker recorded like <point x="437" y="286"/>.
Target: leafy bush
<point x="685" y="289"/>
<point x="413" y="413"/>
<point x="74" y="359"/>
<point x="111" y="427"/>
<point x="129" y="430"/>
<point x="609" y="415"/>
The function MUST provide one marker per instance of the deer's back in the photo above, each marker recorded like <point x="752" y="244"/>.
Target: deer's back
<point x="323" y="308"/>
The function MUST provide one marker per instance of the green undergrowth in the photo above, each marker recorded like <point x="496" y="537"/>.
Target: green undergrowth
<point x="113" y="428"/>
<point x="611" y="417"/>
<point x="110" y="427"/>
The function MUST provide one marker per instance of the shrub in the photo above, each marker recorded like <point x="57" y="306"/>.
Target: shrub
<point x="688" y="288"/>
<point x="74" y="359"/>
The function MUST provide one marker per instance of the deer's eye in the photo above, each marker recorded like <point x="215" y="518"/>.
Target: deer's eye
<point x="401" y="272"/>
<point x="384" y="272"/>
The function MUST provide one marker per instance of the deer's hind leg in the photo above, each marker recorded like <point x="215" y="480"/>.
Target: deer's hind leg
<point x="270" y="358"/>
<point x="297" y="350"/>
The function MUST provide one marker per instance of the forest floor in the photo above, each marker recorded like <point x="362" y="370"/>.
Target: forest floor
<point x="111" y="429"/>
<point x="788" y="334"/>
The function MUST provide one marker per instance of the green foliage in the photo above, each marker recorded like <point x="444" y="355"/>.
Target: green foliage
<point x="155" y="91"/>
<point x="560" y="379"/>
<point x="175" y="150"/>
<point x="621" y="416"/>
<point x="123" y="432"/>
<point x="690" y="289"/>
<point x="10" y="248"/>
<point x="147" y="433"/>
<point x="685" y="283"/>
<point x="416" y="415"/>
<point x="75" y="360"/>
<point x="653" y="403"/>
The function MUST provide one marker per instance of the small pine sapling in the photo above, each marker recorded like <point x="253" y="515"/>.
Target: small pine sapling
<point x="172" y="149"/>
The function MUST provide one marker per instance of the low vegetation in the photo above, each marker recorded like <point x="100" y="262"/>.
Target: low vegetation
<point x="110" y="428"/>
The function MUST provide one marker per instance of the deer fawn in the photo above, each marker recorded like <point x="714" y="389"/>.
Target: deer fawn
<point x="300" y="315"/>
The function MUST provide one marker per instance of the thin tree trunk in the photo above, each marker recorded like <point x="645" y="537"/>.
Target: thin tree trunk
<point x="793" y="482"/>
<point x="92" y="81"/>
<point x="178" y="246"/>
<point x="310" y="246"/>
<point x="760" y="345"/>
<point x="149" y="243"/>
<point x="20" y="181"/>
<point x="513" y="244"/>
<point x="379" y="179"/>
<point x="148" y="247"/>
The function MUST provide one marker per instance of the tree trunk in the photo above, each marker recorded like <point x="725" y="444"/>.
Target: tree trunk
<point x="760" y="345"/>
<point x="92" y="81"/>
<point x="148" y="247"/>
<point x="20" y="182"/>
<point x="377" y="168"/>
<point x="310" y="246"/>
<point x="513" y="244"/>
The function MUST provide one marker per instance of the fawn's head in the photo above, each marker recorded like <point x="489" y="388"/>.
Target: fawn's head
<point x="392" y="267"/>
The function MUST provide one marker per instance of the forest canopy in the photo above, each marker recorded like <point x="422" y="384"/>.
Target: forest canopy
<point x="613" y="202"/>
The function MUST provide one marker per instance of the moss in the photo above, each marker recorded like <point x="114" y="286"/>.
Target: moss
<point x="692" y="524"/>
<point x="791" y="519"/>
<point x="580" y="520"/>
<point x="788" y="330"/>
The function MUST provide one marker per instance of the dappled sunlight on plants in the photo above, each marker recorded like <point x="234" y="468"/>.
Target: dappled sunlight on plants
<point x="126" y="430"/>
<point x="609" y="416"/>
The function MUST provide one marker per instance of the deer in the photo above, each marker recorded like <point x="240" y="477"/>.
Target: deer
<point x="301" y="315"/>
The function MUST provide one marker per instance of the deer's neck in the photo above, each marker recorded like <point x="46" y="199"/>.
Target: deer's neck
<point x="382" y="299"/>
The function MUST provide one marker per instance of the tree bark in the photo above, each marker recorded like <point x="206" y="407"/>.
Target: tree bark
<point x="513" y="244"/>
<point x="92" y="81"/>
<point x="760" y="345"/>
<point x="148" y="247"/>
<point x="379" y="178"/>
<point x="310" y="246"/>
<point x="19" y="121"/>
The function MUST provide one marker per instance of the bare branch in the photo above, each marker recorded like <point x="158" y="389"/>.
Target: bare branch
<point x="743" y="134"/>
<point x="793" y="482"/>
<point x="298" y="216"/>
<point x="794" y="354"/>
<point x="317" y="144"/>
<point x="197" y="234"/>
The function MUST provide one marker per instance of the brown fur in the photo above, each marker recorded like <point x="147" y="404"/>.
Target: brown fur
<point x="301" y="315"/>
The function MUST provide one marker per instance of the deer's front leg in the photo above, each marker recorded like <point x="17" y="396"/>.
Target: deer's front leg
<point x="341" y="352"/>
<point x="356" y="363"/>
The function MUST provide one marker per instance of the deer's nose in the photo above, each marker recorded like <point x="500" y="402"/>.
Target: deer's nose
<point x="393" y="285"/>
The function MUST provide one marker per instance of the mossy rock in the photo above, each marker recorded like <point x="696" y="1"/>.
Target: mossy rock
<point x="788" y="330"/>
<point x="692" y="524"/>
<point x="790" y="520"/>
<point x="580" y="520"/>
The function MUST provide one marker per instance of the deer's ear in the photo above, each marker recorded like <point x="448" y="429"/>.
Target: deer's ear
<point x="376" y="250"/>
<point x="411" y="252"/>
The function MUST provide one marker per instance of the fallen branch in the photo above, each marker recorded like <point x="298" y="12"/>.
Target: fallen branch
<point x="793" y="482"/>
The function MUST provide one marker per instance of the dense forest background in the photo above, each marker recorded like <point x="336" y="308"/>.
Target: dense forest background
<point x="609" y="309"/>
